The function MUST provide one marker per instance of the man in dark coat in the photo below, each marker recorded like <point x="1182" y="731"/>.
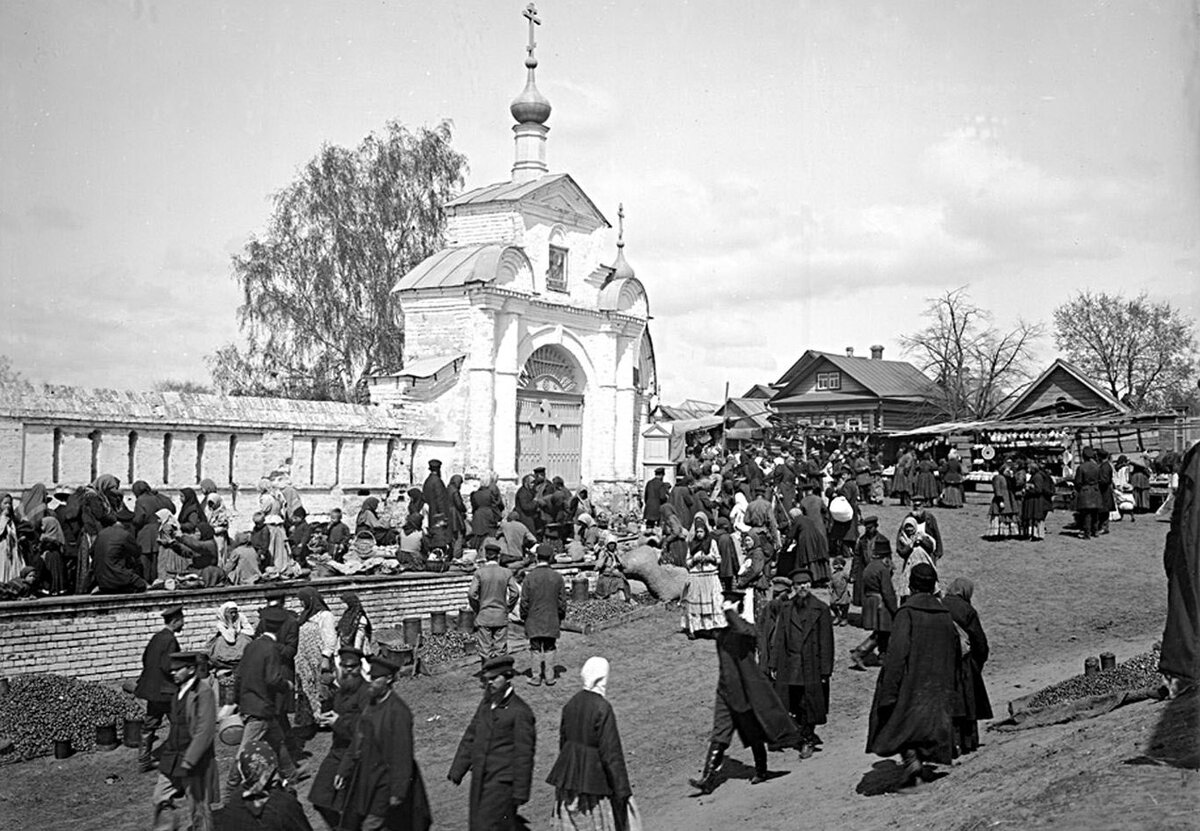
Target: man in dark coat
<point x="806" y="546"/>
<point x="116" y="559"/>
<point x="1108" y="499"/>
<point x="879" y="606"/>
<point x="746" y="702"/>
<point x="814" y="507"/>
<point x="438" y="500"/>
<point x="1179" y="660"/>
<point x="783" y="479"/>
<point x="727" y="569"/>
<point x="189" y="760"/>
<point x="684" y="502"/>
<point x="1088" y="502"/>
<point x="526" y="505"/>
<point x="656" y="495"/>
<point x="870" y="545"/>
<point x="350" y="697"/>
<point x="543" y="606"/>
<point x="382" y="780"/>
<point x="288" y="643"/>
<point x="497" y="748"/>
<point x="801" y="659"/>
<point x="781" y="593"/>
<point x="156" y="684"/>
<point x="260" y="684"/>
<point x="915" y="697"/>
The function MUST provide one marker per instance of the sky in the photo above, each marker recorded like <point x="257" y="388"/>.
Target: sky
<point x="795" y="175"/>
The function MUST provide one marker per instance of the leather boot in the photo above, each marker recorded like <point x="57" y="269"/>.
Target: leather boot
<point x="537" y="674"/>
<point x="712" y="765"/>
<point x="761" y="774"/>
<point x="146" y="761"/>
<point x="913" y="768"/>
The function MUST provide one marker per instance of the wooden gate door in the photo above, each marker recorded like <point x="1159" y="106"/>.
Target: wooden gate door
<point x="550" y="434"/>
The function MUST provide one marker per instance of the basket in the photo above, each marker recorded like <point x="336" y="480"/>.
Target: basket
<point x="364" y="544"/>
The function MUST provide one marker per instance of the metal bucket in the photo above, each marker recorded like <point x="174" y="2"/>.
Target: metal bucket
<point x="230" y="729"/>
<point x="1091" y="666"/>
<point x="579" y="589"/>
<point x="437" y="623"/>
<point x="412" y="631"/>
<point x="106" y="737"/>
<point x="4" y="688"/>
<point x="466" y="620"/>
<point x="1107" y="660"/>
<point x="63" y="749"/>
<point x="132" y="733"/>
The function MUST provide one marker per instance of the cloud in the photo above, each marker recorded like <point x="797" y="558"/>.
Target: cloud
<point x="54" y="218"/>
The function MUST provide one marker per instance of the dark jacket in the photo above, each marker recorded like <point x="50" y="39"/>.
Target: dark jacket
<point x="381" y="759"/>
<point x="543" y="602"/>
<point x="806" y="543"/>
<point x="145" y="519"/>
<point x="192" y="736"/>
<point x="526" y="507"/>
<point x="743" y="687"/>
<point x="975" y="699"/>
<point x="1039" y="497"/>
<point x="915" y="695"/>
<point x="879" y="596"/>
<point x="1107" y="497"/>
<point x="684" y="502"/>
<point x="487" y="509"/>
<point x="281" y="812"/>
<point x="1087" y="487"/>
<point x="287" y="644"/>
<point x="260" y="680"/>
<point x="497" y="748"/>
<point x="349" y="703"/>
<point x="590" y="758"/>
<point x="155" y="683"/>
<point x="814" y="508"/>
<point x="436" y="497"/>
<point x="802" y="653"/>
<point x="656" y="494"/>
<point x="1181" y="561"/>
<point x="115" y="557"/>
<point x="865" y="550"/>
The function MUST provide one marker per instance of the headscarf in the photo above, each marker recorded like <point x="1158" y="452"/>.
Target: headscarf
<point x="140" y="487"/>
<point x="227" y="628"/>
<point x="264" y="485"/>
<point x="310" y="602"/>
<point x="107" y="485"/>
<point x="595" y="675"/>
<point x="347" y="625"/>
<point x="371" y="503"/>
<point x="416" y="500"/>
<point x="208" y="486"/>
<point x="217" y="513"/>
<point x="259" y="770"/>
<point x="962" y="587"/>
<point x="190" y="500"/>
<point x="670" y="521"/>
<point x="52" y="530"/>
<point x="33" y="504"/>
<point x="455" y="482"/>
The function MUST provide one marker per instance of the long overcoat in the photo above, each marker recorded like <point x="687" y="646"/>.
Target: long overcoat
<point x="879" y="596"/>
<point x="656" y="494"/>
<point x="543" y="602"/>
<point x="974" y="694"/>
<point x="745" y="689"/>
<point x="916" y="696"/>
<point x="866" y="549"/>
<point x="1181" y="560"/>
<point x="806" y="546"/>
<point x="349" y="701"/>
<point x="383" y="767"/>
<point x="497" y="748"/>
<point x="155" y="683"/>
<point x="1087" y="487"/>
<point x="192" y="740"/>
<point x="802" y="654"/>
<point x="1039" y="497"/>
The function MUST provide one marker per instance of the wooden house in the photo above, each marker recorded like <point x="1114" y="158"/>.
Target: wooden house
<point x="1064" y="390"/>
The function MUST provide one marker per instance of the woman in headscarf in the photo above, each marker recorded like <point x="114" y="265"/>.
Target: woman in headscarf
<point x="99" y="504"/>
<point x="922" y="550"/>
<point x="368" y="520"/>
<point x="952" y="481"/>
<point x="314" y="656"/>
<point x="147" y="504"/>
<point x="52" y="544"/>
<point x="263" y="802"/>
<point x="191" y="514"/>
<point x="201" y="549"/>
<point x="581" y="503"/>
<point x="1039" y="501"/>
<point x="354" y="627"/>
<point x="290" y="497"/>
<point x="702" y="591"/>
<point x="611" y="579"/>
<point x="456" y="519"/>
<point x="487" y="509"/>
<point x="241" y="563"/>
<point x="173" y="558"/>
<point x="927" y="484"/>
<point x="218" y="517"/>
<point x="976" y="705"/>
<point x="33" y="505"/>
<point x="674" y="542"/>
<point x="233" y="634"/>
<point x="416" y="504"/>
<point x="591" y="784"/>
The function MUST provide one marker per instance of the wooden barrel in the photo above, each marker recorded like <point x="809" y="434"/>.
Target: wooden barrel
<point x="106" y="737"/>
<point x="63" y="749"/>
<point x="1107" y="660"/>
<point x="466" y="620"/>
<point x="579" y="589"/>
<point x="412" y="631"/>
<point x="131" y="733"/>
<point x="230" y="729"/>
<point x="1091" y="666"/>
<point x="437" y="623"/>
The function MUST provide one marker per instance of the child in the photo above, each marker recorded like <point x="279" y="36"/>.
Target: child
<point x="839" y="592"/>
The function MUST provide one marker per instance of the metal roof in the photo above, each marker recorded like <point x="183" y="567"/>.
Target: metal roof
<point x="1077" y="373"/>
<point x="886" y="379"/>
<point x="428" y="367"/>
<point x="456" y="266"/>
<point x="504" y="191"/>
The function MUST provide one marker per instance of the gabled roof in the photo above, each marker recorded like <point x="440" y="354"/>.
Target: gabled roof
<point x="455" y="266"/>
<point x="517" y="191"/>
<point x="762" y="391"/>
<point x="1075" y="372"/>
<point x="886" y="379"/>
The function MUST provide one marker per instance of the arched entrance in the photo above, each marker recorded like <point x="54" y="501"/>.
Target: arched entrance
<point x="550" y="415"/>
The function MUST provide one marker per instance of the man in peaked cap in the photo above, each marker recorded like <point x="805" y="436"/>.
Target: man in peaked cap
<point x="260" y="683"/>
<point x="438" y="500"/>
<point x="287" y="642"/>
<point x="351" y="695"/>
<point x="497" y="748"/>
<point x="493" y="594"/>
<point x="801" y="659"/>
<point x="189" y="764"/>
<point x="156" y="685"/>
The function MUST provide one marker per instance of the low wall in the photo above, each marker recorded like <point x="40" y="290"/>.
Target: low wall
<point x="101" y="638"/>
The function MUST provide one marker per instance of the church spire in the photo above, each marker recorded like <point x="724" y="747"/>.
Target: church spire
<point x="531" y="111"/>
<point x="621" y="268"/>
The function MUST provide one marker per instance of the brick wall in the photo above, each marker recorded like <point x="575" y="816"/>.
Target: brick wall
<point x="98" y="638"/>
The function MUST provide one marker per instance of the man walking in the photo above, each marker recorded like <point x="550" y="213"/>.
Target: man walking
<point x="497" y="749"/>
<point x="287" y="642"/>
<point x="382" y="781"/>
<point x="802" y="659"/>
<point x="261" y="683"/>
<point x="156" y="685"/>
<point x="492" y="595"/>
<point x="543" y="606"/>
<point x="350" y="697"/>
<point x="189" y="763"/>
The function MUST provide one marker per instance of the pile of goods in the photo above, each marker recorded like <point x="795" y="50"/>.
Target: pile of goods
<point x="1128" y="676"/>
<point x="446" y="647"/>
<point x="665" y="582"/>
<point x="594" y="612"/>
<point x="39" y="710"/>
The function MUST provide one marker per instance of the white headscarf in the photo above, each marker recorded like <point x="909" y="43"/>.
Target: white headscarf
<point x="595" y="675"/>
<point x="229" y="630"/>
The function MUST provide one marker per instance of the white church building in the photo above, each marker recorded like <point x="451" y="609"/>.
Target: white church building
<point x="527" y="337"/>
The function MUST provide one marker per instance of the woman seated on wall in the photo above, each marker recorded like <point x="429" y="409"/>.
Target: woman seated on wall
<point x="368" y="520"/>
<point x="412" y="552"/>
<point x="233" y="635"/>
<point x="201" y="549"/>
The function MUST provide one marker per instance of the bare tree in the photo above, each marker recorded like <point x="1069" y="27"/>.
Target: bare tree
<point x="978" y="368"/>
<point x="1144" y="352"/>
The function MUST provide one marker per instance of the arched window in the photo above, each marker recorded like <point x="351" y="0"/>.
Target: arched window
<point x="133" y="441"/>
<point x="556" y="270"/>
<point x="166" y="471"/>
<point x="94" y="437"/>
<point x="201" y="441"/>
<point x="549" y="369"/>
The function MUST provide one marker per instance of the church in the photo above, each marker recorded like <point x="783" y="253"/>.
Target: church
<point x="527" y="339"/>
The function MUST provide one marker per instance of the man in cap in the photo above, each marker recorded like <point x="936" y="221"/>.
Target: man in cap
<point x="156" y="685"/>
<point x="657" y="491"/>
<point x="497" y="748"/>
<point x="746" y="702"/>
<point x="379" y="775"/>
<point x="781" y="592"/>
<point x="287" y="642"/>
<point x="260" y="684"/>
<point x="802" y="659"/>
<point x="493" y="594"/>
<point x="438" y="500"/>
<point x="870" y="545"/>
<point x="350" y="697"/>
<point x="879" y="606"/>
<point x="913" y="709"/>
<point x="543" y="606"/>
<point x="188" y="764"/>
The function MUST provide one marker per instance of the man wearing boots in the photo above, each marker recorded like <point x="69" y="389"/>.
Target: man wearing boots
<point x="287" y="643"/>
<point x="493" y="594"/>
<point x="260" y="684"/>
<point x="543" y="606"/>
<point x="801" y="659"/>
<point x="189" y="763"/>
<point x="746" y="702"/>
<point x="155" y="685"/>
<point x="878" y="608"/>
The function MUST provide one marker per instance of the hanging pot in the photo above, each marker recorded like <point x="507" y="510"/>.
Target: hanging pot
<point x="132" y="733"/>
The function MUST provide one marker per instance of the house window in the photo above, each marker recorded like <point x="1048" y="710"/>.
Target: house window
<point x="829" y="380"/>
<point x="556" y="275"/>
<point x="854" y="423"/>
<point x="829" y="421"/>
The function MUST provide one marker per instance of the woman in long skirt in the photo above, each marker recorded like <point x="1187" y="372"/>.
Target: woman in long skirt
<point x="952" y="481"/>
<point x="314" y="656"/>
<point x="591" y="785"/>
<point x="674" y="541"/>
<point x="702" y="591"/>
<point x="927" y="483"/>
<point x="1002" y="510"/>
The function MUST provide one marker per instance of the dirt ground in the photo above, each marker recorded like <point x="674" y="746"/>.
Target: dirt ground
<point x="1045" y="606"/>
